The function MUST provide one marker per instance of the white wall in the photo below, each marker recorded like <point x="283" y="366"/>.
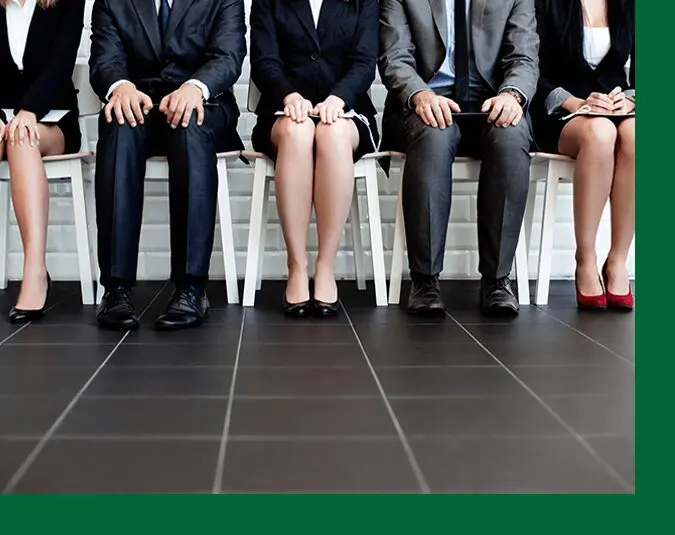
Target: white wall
<point x="461" y="254"/>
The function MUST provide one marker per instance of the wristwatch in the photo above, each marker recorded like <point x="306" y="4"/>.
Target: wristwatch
<point x="517" y="95"/>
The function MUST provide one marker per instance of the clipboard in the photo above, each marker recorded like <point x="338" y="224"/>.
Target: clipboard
<point x="585" y="111"/>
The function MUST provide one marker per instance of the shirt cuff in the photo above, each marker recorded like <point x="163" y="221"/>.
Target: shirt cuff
<point x="206" y="94"/>
<point x="514" y="88"/>
<point x="115" y="85"/>
<point x="630" y="94"/>
<point x="555" y="99"/>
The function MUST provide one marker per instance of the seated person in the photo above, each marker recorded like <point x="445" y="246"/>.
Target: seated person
<point x="166" y="70"/>
<point x="318" y="58"/>
<point x="585" y="46"/>
<point x="39" y="40"/>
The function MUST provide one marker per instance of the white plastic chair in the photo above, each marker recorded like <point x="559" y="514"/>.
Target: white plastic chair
<point x="366" y="169"/>
<point x="65" y="168"/>
<point x="465" y="170"/>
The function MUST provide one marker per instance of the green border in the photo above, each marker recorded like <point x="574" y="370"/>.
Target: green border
<point x="465" y="514"/>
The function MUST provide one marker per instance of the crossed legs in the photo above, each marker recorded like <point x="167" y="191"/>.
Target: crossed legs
<point x="314" y="167"/>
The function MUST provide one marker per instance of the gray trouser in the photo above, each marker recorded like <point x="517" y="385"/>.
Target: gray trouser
<point x="427" y="188"/>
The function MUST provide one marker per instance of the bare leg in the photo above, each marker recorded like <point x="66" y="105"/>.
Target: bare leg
<point x="294" y="177"/>
<point x="622" y="199"/>
<point x="592" y="142"/>
<point x="333" y="189"/>
<point x="30" y="196"/>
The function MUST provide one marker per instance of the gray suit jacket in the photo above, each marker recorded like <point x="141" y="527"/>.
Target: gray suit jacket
<point x="413" y="47"/>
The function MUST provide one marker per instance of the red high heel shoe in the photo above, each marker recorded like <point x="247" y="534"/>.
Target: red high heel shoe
<point x="591" y="302"/>
<point x="617" y="302"/>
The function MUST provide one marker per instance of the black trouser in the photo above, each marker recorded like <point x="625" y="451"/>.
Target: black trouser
<point x="193" y="184"/>
<point x="427" y="188"/>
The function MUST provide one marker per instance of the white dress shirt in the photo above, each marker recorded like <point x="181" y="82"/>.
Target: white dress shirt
<point x="18" y="24"/>
<point x="316" y="10"/>
<point x="206" y="93"/>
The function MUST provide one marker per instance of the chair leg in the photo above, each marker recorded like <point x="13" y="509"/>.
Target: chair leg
<point x="375" y="225"/>
<point x="90" y="200"/>
<point x="263" y="234"/>
<point x="227" y="233"/>
<point x="4" y="232"/>
<point x="522" y="273"/>
<point x="398" y="250"/>
<point x="529" y="215"/>
<point x="260" y="191"/>
<point x="81" y="223"/>
<point x="547" y="232"/>
<point x="359" y="254"/>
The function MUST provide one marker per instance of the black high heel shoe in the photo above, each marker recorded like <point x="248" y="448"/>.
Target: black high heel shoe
<point x="325" y="310"/>
<point x="18" y="316"/>
<point x="296" y="310"/>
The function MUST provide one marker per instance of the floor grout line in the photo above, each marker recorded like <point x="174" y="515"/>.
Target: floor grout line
<point x="220" y="464"/>
<point x="417" y="470"/>
<point x="35" y="453"/>
<point x="596" y="456"/>
<point x="26" y="325"/>
<point x="590" y="338"/>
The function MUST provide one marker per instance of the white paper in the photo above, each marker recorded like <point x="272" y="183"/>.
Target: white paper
<point x="53" y="116"/>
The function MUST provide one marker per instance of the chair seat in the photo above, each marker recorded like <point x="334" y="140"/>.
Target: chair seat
<point x="230" y="154"/>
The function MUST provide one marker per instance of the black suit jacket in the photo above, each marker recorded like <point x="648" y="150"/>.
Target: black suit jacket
<point x="562" y="63"/>
<point x="290" y="54"/>
<point x="206" y="40"/>
<point x="51" y="50"/>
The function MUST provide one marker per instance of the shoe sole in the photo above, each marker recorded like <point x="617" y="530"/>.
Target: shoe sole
<point x="500" y="312"/>
<point x="118" y="328"/>
<point x="427" y="312"/>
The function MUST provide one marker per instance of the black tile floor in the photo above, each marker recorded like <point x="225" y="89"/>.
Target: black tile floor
<point x="371" y="402"/>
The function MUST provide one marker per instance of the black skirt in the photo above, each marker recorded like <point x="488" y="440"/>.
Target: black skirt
<point x="547" y="131"/>
<point x="262" y="136"/>
<point x="70" y="127"/>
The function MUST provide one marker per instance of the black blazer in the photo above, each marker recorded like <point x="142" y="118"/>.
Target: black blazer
<point x="561" y="59"/>
<point x="289" y="54"/>
<point x="206" y="40"/>
<point x="46" y="82"/>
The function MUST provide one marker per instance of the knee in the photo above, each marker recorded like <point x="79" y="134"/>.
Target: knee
<point x="509" y="140"/>
<point x="114" y="128"/>
<point x="336" y="136"/>
<point x="299" y="135"/>
<point x="626" y="141"/>
<point x="599" y="135"/>
<point x="436" y="141"/>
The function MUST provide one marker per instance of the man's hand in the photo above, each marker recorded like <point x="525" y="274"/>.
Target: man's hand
<point x="128" y="104"/>
<point x="504" y="110"/>
<point x="330" y="110"/>
<point x="179" y="105"/>
<point x="297" y="107"/>
<point x="434" y="110"/>
<point x="23" y="128"/>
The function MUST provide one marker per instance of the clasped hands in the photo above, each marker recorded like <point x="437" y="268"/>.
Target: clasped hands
<point x="129" y="105"/>
<point x="614" y="102"/>
<point x="298" y="108"/>
<point x="436" y="111"/>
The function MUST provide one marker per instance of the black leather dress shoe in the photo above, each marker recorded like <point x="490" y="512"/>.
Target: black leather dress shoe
<point x="18" y="316"/>
<point x="297" y="310"/>
<point x="188" y="307"/>
<point x="425" y="296"/>
<point x="497" y="298"/>
<point x="116" y="311"/>
<point x="322" y="309"/>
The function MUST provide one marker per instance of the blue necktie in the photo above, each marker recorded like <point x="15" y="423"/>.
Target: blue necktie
<point x="164" y="13"/>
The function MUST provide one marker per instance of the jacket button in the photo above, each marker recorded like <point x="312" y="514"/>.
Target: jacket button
<point x="315" y="57"/>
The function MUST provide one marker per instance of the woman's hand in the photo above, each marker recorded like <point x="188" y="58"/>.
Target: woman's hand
<point x="600" y="103"/>
<point x="622" y="104"/>
<point x="3" y="132"/>
<point x="330" y="110"/>
<point x="23" y="128"/>
<point x="297" y="107"/>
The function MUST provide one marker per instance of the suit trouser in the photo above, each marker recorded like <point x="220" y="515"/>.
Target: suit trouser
<point x="193" y="184"/>
<point x="427" y="189"/>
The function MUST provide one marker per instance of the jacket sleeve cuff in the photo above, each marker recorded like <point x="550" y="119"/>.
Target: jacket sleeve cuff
<point x="630" y="94"/>
<point x="555" y="99"/>
<point x="206" y="94"/>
